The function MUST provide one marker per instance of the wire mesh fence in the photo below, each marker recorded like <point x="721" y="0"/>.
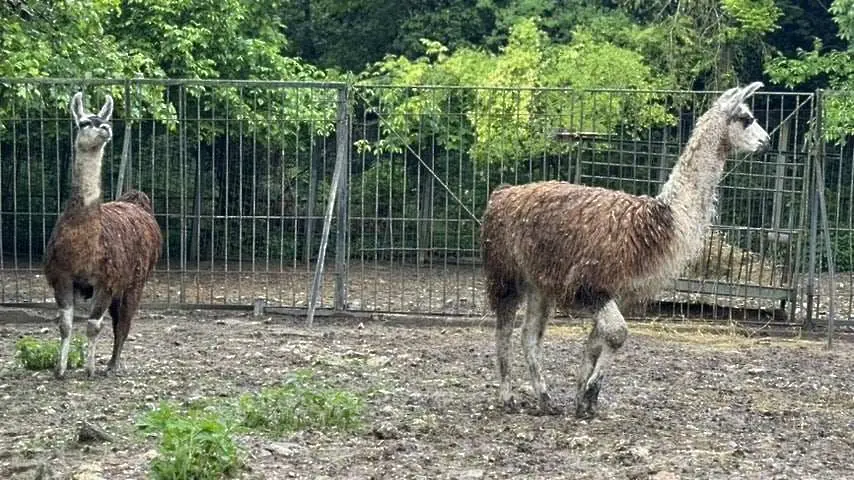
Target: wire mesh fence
<point x="428" y="157"/>
<point x="236" y="173"/>
<point x="239" y="173"/>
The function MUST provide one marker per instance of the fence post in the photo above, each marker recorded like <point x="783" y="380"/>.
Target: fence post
<point x="821" y="202"/>
<point x="341" y="166"/>
<point x="342" y="160"/>
<point x="124" y="166"/>
<point x="812" y="213"/>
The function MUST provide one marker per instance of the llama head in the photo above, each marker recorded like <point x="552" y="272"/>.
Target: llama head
<point x="744" y="132"/>
<point x="94" y="130"/>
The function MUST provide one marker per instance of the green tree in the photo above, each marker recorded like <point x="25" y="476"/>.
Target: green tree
<point x="823" y="67"/>
<point x="507" y="123"/>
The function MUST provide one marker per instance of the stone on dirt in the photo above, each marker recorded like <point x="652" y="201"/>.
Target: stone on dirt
<point x="284" y="449"/>
<point x="90" y="433"/>
<point x="472" y="474"/>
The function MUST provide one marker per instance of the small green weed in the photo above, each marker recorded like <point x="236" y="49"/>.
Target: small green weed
<point x="299" y="404"/>
<point x="35" y="354"/>
<point x="195" y="444"/>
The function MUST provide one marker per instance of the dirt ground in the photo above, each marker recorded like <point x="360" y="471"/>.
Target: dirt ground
<point x="677" y="404"/>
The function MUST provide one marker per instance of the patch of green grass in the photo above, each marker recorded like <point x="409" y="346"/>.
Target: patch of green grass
<point x="36" y="354"/>
<point x="299" y="404"/>
<point x="196" y="441"/>
<point x="194" y="444"/>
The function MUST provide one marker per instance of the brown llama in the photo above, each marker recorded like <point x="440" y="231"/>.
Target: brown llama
<point x="580" y="247"/>
<point x="102" y="251"/>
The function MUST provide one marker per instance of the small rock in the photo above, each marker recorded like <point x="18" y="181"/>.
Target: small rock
<point x="634" y="455"/>
<point x="90" y="433"/>
<point x="664" y="476"/>
<point x="580" y="441"/>
<point x="378" y="361"/>
<point x="473" y="474"/>
<point x="88" y="471"/>
<point x="385" y="431"/>
<point x="284" y="449"/>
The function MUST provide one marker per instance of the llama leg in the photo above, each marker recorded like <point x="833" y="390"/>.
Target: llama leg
<point x="532" y="343"/>
<point x="122" y="310"/>
<point x="505" y="314"/>
<point x="93" y="328"/>
<point x="607" y="336"/>
<point x="65" y="320"/>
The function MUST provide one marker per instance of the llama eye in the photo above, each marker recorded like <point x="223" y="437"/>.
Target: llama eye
<point x="84" y="123"/>
<point x="746" y="121"/>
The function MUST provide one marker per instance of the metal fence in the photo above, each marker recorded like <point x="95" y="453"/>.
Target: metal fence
<point x="240" y="174"/>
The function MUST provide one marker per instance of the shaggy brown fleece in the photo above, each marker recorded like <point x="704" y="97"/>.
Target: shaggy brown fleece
<point x="545" y="229"/>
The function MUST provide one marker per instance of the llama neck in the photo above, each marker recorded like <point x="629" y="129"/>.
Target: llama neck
<point x="691" y="188"/>
<point x="86" y="180"/>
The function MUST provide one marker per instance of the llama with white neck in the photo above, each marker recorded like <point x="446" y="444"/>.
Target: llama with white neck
<point x="580" y="247"/>
<point x="103" y="251"/>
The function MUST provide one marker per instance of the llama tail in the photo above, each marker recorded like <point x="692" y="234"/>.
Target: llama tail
<point x="137" y="198"/>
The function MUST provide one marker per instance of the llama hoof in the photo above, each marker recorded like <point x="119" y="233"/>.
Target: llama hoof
<point x="587" y="402"/>
<point x="546" y="406"/>
<point x="114" y="371"/>
<point x="585" y="412"/>
<point x="510" y="405"/>
<point x="550" y="409"/>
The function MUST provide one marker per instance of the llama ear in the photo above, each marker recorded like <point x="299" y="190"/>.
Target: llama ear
<point x="729" y="99"/>
<point x="734" y="97"/>
<point x="749" y="90"/>
<point x="107" y="110"/>
<point x="77" y="111"/>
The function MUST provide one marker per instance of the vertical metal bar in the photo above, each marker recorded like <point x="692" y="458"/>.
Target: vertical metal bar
<point x="241" y="182"/>
<point x="296" y="198"/>
<point x="182" y="160"/>
<point x="828" y="250"/>
<point x="337" y="175"/>
<point x="363" y="295"/>
<point x="27" y="121"/>
<point x="2" y="221"/>
<point x="44" y="238"/>
<point x="254" y="181"/>
<point x="342" y="160"/>
<point x="14" y="181"/>
<point x="268" y="181"/>
<point x="800" y="196"/>
<point x="195" y="245"/>
<point x="214" y="196"/>
<point x="282" y="179"/>
<point x="813" y="210"/>
<point x="313" y="167"/>
<point x="120" y="183"/>
<point x="166" y="183"/>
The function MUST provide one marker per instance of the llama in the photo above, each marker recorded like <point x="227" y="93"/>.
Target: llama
<point x="588" y="248"/>
<point x="99" y="251"/>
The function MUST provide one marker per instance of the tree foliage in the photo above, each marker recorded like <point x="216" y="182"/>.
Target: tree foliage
<point x="833" y="68"/>
<point x="509" y="123"/>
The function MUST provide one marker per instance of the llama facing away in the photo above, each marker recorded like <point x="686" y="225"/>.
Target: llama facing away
<point x="103" y="251"/>
<point x="580" y="247"/>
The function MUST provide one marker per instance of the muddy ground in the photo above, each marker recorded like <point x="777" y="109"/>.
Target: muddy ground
<point x="677" y="404"/>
